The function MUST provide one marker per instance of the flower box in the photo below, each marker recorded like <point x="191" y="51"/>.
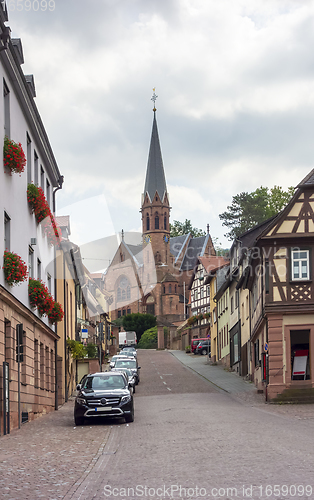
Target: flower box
<point x="15" y="269"/>
<point x="37" y="200"/>
<point x="40" y="297"/>
<point x="56" y="314"/>
<point x="13" y="156"/>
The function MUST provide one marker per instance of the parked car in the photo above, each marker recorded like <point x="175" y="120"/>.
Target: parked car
<point x="127" y="339"/>
<point x="194" y="344"/>
<point x="130" y="363"/>
<point x="203" y="347"/>
<point x="104" y="394"/>
<point x="129" y="375"/>
<point x="130" y="350"/>
<point x="115" y="358"/>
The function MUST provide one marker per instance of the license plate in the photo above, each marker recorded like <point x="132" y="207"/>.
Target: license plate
<point x="108" y="408"/>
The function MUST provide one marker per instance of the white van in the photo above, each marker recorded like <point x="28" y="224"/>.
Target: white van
<point x="127" y="339"/>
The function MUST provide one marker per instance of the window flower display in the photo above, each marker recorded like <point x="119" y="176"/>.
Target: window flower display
<point x="15" y="269"/>
<point x="13" y="156"/>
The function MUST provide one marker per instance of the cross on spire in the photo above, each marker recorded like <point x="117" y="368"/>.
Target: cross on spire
<point x="154" y="99"/>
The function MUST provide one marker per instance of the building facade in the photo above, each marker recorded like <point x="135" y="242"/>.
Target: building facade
<point x="28" y="379"/>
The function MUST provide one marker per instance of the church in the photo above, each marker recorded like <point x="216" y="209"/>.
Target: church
<point x="153" y="277"/>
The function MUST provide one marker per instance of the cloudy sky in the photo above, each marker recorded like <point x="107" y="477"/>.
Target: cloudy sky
<point x="235" y="108"/>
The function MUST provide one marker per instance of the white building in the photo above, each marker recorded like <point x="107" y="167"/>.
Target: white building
<point x="21" y="234"/>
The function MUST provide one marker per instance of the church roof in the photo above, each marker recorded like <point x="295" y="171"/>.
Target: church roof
<point x="308" y="180"/>
<point x="155" y="175"/>
<point x="168" y="278"/>
<point x="195" y="249"/>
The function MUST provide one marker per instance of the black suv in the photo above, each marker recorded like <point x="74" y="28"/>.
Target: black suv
<point x="104" y="394"/>
<point x="203" y="347"/>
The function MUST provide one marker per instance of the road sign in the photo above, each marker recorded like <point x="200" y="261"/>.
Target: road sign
<point x="265" y="347"/>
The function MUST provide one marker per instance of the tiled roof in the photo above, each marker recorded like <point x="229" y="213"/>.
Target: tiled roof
<point x="63" y="220"/>
<point x="308" y="180"/>
<point x="168" y="277"/>
<point x="212" y="263"/>
<point x="176" y="243"/>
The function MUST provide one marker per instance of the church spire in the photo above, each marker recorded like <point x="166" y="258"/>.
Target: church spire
<point x="155" y="175"/>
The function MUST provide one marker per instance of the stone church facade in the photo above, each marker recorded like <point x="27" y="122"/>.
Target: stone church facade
<point x="153" y="277"/>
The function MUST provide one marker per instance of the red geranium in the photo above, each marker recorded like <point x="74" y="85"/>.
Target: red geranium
<point x="13" y="156"/>
<point x="56" y="313"/>
<point x="40" y="297"/>
<point x="15" y="269"/>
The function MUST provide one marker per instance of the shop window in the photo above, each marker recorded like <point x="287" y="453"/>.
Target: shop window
<point x="300" y="264"/>
<point x="300" y="350"/>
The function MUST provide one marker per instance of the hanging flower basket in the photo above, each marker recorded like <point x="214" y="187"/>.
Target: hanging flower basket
<point x="15" y="269"/>
<point x="56" y="314"/>
<point x="36" y="199"/>
<point x="13" y="156"/>
<point x="40" y="297"/>
<point x="192" y="320"/>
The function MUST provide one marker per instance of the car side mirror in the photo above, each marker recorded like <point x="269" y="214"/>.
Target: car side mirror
<point x="138" y="367"/>
<point x="78" y="387"/>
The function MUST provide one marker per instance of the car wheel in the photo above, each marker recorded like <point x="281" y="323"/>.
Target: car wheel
<point x="79" y="420"/>
<point x="130" y="417"/>
<point x="204" y="351"/>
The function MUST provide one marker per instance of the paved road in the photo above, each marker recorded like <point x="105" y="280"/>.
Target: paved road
<point x="186" y="434"/>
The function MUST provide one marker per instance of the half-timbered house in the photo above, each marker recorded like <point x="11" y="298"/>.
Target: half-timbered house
<point x="280" y="281"/>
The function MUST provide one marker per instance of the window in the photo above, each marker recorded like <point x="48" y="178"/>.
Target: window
<point x="48" y="191"/>
<point x="6" y="98"/>
<point x="202" y="292"/>
<point x="208" y="291"/>
<point x="164" y="289"/>
<point x="165" y="221"/>
<point x="237" y="299"/>
<point x="38" y="269"/>
<point x="147" y="222"/>
<point x="156" y="222"/>
<point x="300" y="264"/>
<point x="119" y="314"/>
<point x="124" y="312"/>
<point x="30" y="262"/>
<point x="231" y="305"/>
<point x="49" y="283"/>
<point x="35" y="168"/>
<point x="128" y="292"/>
<point x="42" y="178"/>
<point x="256" y="354"/>
<point x="6" y="231"/>
<point x="128" y="311"/>
<point x="29" y="159"/>
<point x="169" y="288"/>
<point x="175" y="288"/>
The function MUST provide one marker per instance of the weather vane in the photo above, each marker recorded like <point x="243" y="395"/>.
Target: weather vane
<point x="154" y="98"/>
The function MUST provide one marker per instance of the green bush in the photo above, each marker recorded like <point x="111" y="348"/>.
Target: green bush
<point x="92" y="351"/>
<point x="149" y="339"/>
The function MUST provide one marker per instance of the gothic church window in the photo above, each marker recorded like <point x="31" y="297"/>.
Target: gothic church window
<point x="156" y="221"/>
<point x="123" y="290"/>
<point x="147" y="222"/>
<point x="165" y="221"/>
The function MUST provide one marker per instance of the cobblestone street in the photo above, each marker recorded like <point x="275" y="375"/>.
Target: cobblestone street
<point x="186" y="433"/>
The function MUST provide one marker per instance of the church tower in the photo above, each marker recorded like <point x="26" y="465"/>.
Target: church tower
<point x="155" y="202"/>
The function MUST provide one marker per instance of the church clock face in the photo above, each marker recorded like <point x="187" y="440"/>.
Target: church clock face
<point x="147" y="238"/>
<point x="166" y="238"/>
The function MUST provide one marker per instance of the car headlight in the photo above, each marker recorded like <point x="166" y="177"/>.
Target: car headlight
<point x="126" y="399"/>
<point x="81" y="401"/>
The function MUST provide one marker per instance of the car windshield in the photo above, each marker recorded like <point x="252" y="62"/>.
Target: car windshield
<point x="120" y="363"/>
<point x="104" y="382"/>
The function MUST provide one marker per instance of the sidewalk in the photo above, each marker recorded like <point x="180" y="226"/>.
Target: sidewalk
<point x="224" y="381"/>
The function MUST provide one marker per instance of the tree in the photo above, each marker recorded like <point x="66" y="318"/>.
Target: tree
<point x="180" y="228"/>
<point x="149" y="339"/>
<point x="249" y="209"/>
<point x="138" y="322"/>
